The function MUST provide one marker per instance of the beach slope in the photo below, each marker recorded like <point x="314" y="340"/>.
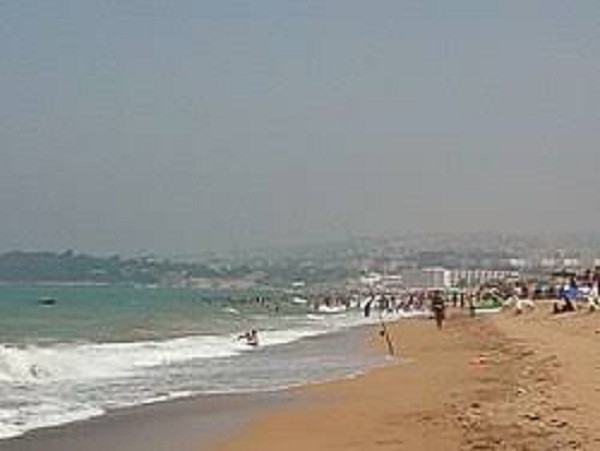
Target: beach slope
<point x="501" y="382"/>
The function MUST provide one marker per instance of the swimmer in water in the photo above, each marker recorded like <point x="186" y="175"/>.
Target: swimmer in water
<point x="251" y="337"/>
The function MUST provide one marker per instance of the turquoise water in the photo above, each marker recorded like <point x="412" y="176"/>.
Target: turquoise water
<point x="115" y="313"/>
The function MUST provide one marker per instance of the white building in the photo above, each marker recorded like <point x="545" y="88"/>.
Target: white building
<point x="518" y="263"/>
<point x="570" y="263"/>
<point x="427" y="278"/>
<point x="474" y="277"/>
<point x="548" y="263"/>
<point x="371" y="279"/>
<point x="440" y="278"/>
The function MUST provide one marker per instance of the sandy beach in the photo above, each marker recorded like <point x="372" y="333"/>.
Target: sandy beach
<point x="499" y="382"/>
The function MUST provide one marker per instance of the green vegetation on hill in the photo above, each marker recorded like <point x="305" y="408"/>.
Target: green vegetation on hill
<point x="69" y="267"/>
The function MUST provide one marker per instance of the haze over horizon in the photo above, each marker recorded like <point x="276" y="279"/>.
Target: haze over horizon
<point x="192" y="126"/>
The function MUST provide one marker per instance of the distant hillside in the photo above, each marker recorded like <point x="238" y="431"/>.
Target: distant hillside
<point x="69" y="267"/>
<point x="21" y="266"/>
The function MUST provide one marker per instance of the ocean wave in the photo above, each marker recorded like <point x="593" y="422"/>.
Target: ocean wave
<point x="44" y="385"/>
<point x="39" y="364"/>
<point x="17" y="421"/>
<point x="35" y="364"/>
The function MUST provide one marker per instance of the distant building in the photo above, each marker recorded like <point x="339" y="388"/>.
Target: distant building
<point x="426" y="278"/>
<point x="518" y="263"/>
<point x="371" y="279"/>
<point x="548" y="263"/>
<point x="474" y="277"/>
<point x="438" y="278"/>
<point x="570" y="263"/>
<point x="392" y="282"/>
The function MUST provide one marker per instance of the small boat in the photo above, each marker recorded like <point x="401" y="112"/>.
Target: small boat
<point x="47" y="301"/>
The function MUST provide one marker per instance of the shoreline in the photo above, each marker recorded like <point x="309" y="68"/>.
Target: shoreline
<point x="494" y="382"/>
<point x="178" y="425"/>
<point x="347" y="414"/>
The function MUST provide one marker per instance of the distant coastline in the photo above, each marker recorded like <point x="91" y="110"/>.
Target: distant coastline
<point x="71" y="268"/>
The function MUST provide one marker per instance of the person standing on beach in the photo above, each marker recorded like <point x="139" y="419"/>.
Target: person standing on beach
<point x="367" y="308"/>
<point x="439" y="308"/>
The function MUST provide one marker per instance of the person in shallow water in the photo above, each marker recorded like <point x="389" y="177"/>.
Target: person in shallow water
<point x="251" y="337"/>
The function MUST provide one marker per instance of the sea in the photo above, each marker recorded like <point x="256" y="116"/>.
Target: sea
<point x="69" y="353"/>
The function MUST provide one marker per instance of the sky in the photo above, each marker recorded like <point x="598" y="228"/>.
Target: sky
<point x="189" y="126"/>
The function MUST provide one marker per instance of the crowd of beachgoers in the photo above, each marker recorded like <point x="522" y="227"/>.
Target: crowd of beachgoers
<point x="510" y="381"/>
<point x="567" y="292"/>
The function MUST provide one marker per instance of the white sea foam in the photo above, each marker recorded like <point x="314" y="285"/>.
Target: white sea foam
<point x="40" y="364"/>
<point x="52" y="384"/>
<point x="81" y="362"/>
<point x="17" y="421"/>
<point x="167" y="397"/>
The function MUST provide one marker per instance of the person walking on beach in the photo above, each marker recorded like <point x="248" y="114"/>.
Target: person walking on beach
<point x="439" y="308"/>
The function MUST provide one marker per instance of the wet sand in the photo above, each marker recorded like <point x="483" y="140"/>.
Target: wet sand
<point x="181" y="425"/>
<point x="499" y="382"/>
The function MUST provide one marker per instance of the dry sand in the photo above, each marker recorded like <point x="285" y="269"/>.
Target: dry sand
<point x="501" y="382"/>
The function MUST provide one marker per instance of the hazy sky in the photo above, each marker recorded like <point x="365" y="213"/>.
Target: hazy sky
<point x="183" y="126"/>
